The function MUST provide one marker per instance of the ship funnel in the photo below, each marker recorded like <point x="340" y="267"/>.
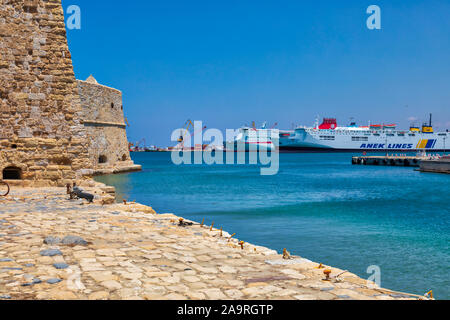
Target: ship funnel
<point x="428" y="128"/>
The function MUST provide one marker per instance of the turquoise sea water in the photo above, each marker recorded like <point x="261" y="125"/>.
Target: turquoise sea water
<point x="319" y="207"/>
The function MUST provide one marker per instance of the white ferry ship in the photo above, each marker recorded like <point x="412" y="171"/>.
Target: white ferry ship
<point x="253" y="139"/>
<point x="329" y="136"/>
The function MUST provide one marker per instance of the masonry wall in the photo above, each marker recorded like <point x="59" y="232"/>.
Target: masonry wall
<point x="442" y="166"/>
<point x="104" y="121"/>
<point x="41" y="131"/>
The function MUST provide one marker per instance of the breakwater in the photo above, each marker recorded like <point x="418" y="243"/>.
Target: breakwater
<point x="437" y="166"/>
<point x="55" y="248"/>
<point x="389" y="160"/>
<point x="319" y="206"/>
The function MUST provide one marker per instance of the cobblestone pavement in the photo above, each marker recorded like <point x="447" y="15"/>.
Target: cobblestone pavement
<point x="55" y="248"/>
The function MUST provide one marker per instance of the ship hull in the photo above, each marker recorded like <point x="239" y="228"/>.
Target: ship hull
<point x="350" y="140"/>
<point x="247" y="147"/>
<point x="343" y="150"/>
<point x="250" y="140"/>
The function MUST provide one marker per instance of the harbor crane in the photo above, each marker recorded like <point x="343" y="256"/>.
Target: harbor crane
<point x="135" y="146"/>
<point x="184" y="132"/>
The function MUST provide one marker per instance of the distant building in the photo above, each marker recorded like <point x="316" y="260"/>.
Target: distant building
<point x="103" y="118"/>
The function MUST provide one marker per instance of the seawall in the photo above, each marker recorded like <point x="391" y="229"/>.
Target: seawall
<point x="437" y="166"/>
<point x="55" y="248"/>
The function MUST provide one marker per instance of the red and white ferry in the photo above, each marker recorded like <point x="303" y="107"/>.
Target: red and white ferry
<point x="328" y="136"/>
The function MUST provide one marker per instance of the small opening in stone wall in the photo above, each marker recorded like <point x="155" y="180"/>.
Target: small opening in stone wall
<point x="14" y="146"/>
<point x="121" y="107"/>
<point x="112" y="105"/>
<point x="62" y="161"/>
<point x="124" y="157"/>
<point x="102" y="159"/>
<point x="12" y="173"/>
<point x="30" y="8"/>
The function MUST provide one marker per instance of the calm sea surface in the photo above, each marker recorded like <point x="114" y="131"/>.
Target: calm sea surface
<point x="319" y="207"/>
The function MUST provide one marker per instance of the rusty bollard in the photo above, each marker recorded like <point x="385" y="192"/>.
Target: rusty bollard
<point x="229" y="239"/>
<point x="286" y="254"/>
<point x="327" y="273"/>
<point x="212" y="225"/>
<point x="69" y="191"/>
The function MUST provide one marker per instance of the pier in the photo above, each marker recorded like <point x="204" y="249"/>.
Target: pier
<point x="391" y="160"/>
<point x="438" y="166"/>
<point x="115" y="251"/>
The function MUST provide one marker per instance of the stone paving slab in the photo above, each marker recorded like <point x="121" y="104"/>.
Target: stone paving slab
<point x="127" y="251"/>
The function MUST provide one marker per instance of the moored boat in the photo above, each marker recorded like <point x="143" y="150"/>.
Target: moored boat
<point x="252" y="139"/>
<point x="328" y="136"/>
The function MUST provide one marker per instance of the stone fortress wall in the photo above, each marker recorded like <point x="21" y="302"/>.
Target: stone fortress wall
<point x="103" y="116"/>
<point x="43" y="137"/>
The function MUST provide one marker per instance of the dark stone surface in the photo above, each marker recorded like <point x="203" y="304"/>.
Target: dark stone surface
<point x="327" y="289"/>
<point x="53" y="281"/>
<point x="51" y="253"/>
<point x="61" y="266"/>
<point x="6" y="260"/>
<point x="52" y="240"/>
<point x="74" y="240"/>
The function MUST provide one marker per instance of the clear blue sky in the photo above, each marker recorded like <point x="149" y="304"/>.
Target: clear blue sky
<point x="232" y="62"/>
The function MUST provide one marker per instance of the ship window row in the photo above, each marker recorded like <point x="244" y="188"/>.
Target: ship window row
<point x="327" y="137"/>
<point x="377" y="133"/>
<point x="367" y="133"/>
<point x="360" y="138"/>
